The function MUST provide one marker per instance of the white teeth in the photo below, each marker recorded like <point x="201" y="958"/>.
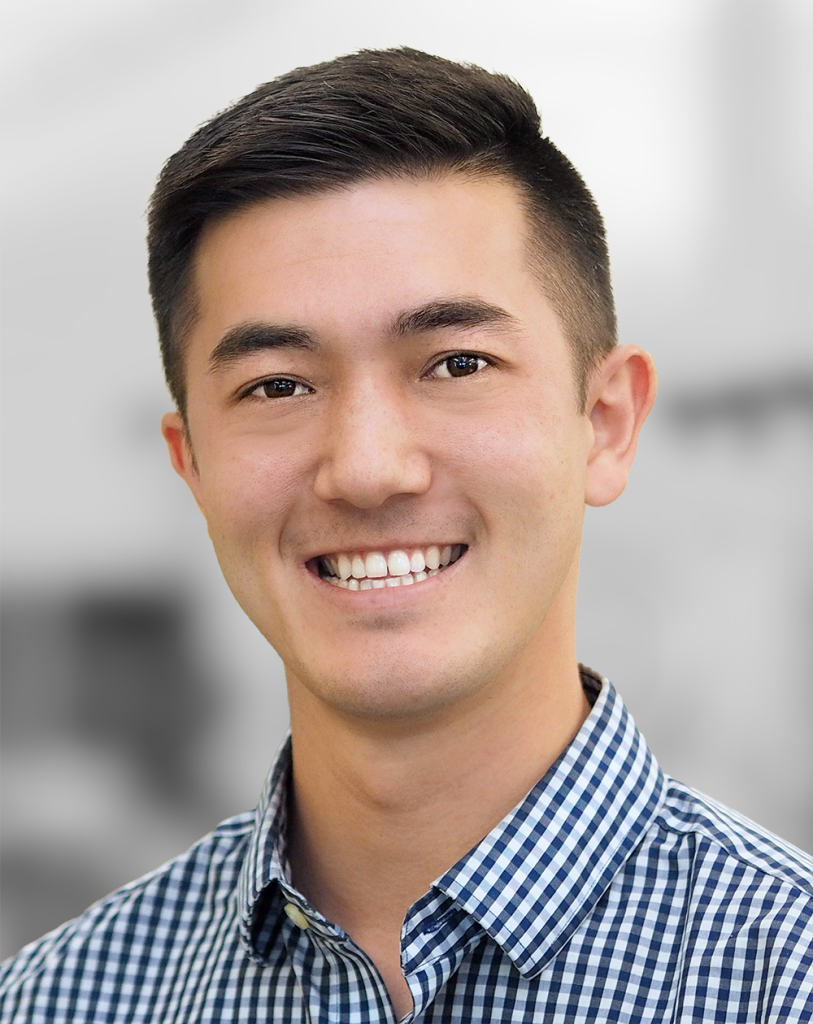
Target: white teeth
<point x="376" y="565"/>
<point x="398" y="563"/>
<point x="417" y="563"/>
<point x="375" y="570"/>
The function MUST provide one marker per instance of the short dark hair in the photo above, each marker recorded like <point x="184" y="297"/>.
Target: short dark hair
<point x="373" y="114"/>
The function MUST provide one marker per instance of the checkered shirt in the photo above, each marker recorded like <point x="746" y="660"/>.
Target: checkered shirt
<point x="611" y="893"/>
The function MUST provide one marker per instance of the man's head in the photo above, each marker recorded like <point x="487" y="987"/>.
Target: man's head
<point x="379" y="367"/>
<point x="373" y="114"/>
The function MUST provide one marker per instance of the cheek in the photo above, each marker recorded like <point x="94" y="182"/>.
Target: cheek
<point x="246" y="489"/>
<point x="527" y="463"/>
<point x="530" y="494"/>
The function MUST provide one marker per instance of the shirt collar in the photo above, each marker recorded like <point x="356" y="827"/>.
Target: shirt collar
<point x="536" y="875"/>
<point x="265" y="861"/>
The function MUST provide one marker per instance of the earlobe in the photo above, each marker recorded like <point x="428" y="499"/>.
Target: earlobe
<point x="181" y="456"/>
<point x="621" y="394"/>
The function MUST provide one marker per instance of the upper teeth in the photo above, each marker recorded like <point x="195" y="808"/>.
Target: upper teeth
<point x="400" y="562"/>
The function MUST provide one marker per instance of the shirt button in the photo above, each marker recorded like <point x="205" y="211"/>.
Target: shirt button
<point x="296" y="915"/>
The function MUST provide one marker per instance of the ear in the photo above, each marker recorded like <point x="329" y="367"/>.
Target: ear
<point x="620" y="394"/>
<point x="181" y="456"/>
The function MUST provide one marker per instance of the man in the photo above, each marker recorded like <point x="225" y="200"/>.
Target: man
<point x="384" y="307"/>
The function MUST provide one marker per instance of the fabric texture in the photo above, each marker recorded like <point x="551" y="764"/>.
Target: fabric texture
<point x="610" y="893"/>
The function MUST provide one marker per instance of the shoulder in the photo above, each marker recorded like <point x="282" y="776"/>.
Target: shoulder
<point x="746" y="908"/>
<point x="735" y="842"/>
<point x="749" y="894"/>
<point x="198" y="885"/>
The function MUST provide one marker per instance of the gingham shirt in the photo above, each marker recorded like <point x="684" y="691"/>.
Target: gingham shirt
<point x="611" y="893"/>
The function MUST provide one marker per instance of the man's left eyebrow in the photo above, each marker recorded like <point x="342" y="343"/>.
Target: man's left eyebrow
<point x="452" y="313"/>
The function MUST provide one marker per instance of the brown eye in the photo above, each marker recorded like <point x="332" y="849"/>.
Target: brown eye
<point x="460" y="365"/>
<point x="279" y="387"/>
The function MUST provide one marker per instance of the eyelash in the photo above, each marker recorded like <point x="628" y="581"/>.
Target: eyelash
<point x="432" y="374"/>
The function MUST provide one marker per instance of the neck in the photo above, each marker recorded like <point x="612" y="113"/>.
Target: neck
<point x="381" y="809"/>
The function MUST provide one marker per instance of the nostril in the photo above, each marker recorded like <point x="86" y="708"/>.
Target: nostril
<point x="366" y="474"/>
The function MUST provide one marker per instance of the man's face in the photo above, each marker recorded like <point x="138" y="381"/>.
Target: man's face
<point x="377" y="371"/>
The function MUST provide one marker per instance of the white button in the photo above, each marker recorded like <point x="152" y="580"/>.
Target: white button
<point x="296" y="915"/>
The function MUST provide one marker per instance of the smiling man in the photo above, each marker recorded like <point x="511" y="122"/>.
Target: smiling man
<point x="384" y="306"/>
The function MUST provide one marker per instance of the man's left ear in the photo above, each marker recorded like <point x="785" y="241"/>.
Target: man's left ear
<point x="620" y="394"/>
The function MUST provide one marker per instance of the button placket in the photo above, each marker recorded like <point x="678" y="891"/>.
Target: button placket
<point x="307" y="918"/>
<point x="422" y="941"/>
<point x="294" y="914"/>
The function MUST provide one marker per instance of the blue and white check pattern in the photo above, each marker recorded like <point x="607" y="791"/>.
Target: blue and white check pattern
<point x="611" y="893"/>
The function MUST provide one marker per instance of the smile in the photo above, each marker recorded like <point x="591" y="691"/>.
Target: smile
<point x="372" y="570"/>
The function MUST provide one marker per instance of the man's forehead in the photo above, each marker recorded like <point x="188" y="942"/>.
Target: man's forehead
<point x="402" y="199"/>
<point x="417" y="257"/>
<point x="432" y="232"/>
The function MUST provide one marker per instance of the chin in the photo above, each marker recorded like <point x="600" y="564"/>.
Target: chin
<point x="393" y="692"/>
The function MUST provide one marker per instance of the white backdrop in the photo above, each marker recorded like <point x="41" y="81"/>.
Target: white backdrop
<point x="690" y="122"/>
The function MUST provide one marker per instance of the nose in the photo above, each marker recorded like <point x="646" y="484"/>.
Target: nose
<point x="372" y="450"/>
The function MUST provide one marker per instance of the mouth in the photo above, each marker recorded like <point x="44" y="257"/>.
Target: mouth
<point x="374" y="570"/>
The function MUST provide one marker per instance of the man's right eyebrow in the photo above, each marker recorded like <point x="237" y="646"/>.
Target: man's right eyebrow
<point x="248" y="338"/>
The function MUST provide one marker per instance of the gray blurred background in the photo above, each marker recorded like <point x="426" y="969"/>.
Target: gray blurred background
<point x="139" y="705"/>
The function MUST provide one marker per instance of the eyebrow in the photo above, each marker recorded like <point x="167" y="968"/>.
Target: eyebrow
<point x="454" y="313"/>
<point x="248" y="338"/>
<point x="245" y="339"/>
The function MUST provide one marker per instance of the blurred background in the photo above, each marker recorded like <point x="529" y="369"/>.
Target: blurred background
<point x="139" y="706"/>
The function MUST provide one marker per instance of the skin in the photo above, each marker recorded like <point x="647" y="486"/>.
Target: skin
<point x="420" y="715"/>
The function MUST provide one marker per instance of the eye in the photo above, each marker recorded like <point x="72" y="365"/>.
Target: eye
<point x="461" y="364"/>
<point x="279" y="387"/>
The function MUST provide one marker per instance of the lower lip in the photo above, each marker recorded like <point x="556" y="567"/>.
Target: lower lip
<point x="385" y="596"/>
